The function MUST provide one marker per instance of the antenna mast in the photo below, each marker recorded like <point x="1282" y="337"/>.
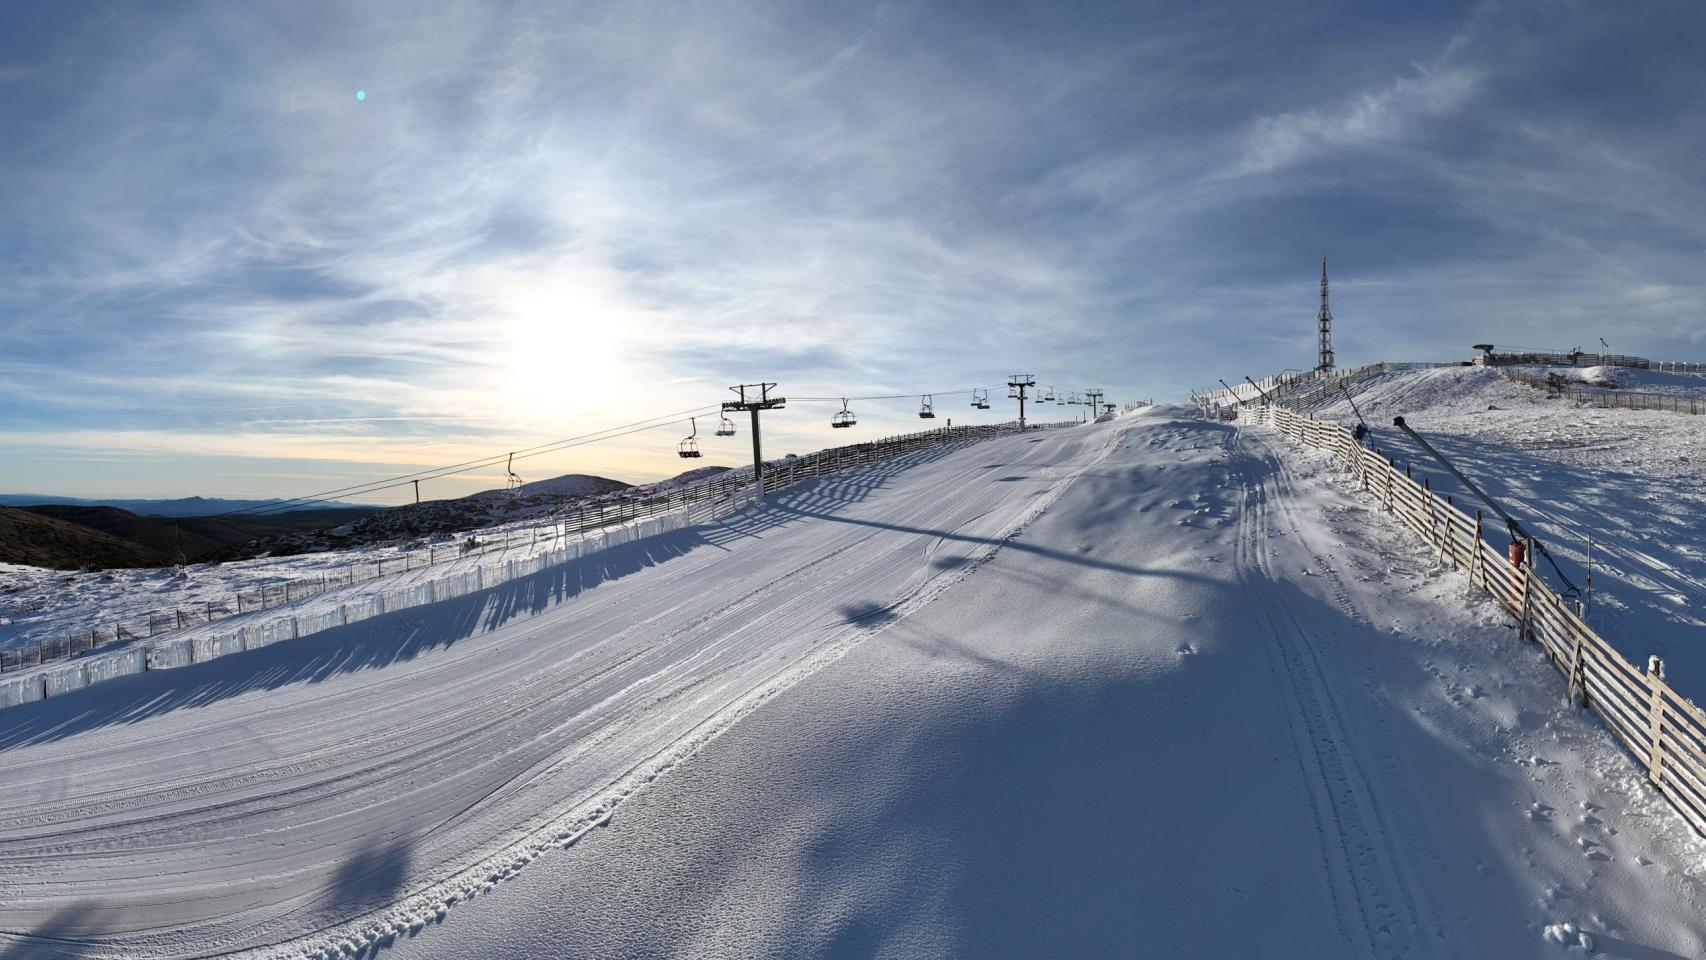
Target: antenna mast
<point x="1324" y="321"/>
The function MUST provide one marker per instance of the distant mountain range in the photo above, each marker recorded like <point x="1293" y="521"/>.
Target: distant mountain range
<point x="181" y="507"/>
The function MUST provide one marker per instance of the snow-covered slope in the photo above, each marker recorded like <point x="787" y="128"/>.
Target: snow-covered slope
<point x="1206" y="705"/>
<point x="1632" y="480"/>
<point x="1154" y="687"/>
<point x="568" y="485"/>
<point x="282" y="790"/>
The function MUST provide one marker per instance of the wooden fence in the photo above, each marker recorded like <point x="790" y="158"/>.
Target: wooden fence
<point x="1298" y="391"/>
<point x="1609" y="397"/>
<point x="1665" y="732"/>
<point x="577" y="519"/>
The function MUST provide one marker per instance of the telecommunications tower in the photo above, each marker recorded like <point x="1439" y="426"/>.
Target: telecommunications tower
<point x="1324" y="321"/>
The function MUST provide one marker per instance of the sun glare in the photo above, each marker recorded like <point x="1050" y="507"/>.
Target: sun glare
<point x="563" y="341"/>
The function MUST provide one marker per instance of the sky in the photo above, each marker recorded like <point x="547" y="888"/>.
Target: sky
<point x="268" y="249"/>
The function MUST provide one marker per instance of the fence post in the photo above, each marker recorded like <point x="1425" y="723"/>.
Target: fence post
<point x="1656" y="719"/>
<point x="1528" y="593"/>
<point x="1578" y="671"/>
<point x="1475" y="551"/>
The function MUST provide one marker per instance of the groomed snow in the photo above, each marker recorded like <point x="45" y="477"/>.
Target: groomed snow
<point x="1157" y="687"/>
<point x="1634" y="481"/>
<point x="1210" y="704"/>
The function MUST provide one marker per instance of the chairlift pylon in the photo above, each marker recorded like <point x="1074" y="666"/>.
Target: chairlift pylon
<point x="726" y="428"/>
<point x="844" y="418"/>
<point x="690" y="446"/>
<point x="927" y="407"/>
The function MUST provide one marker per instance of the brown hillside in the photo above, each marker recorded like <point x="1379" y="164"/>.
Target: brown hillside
<point x="40" y="541"/>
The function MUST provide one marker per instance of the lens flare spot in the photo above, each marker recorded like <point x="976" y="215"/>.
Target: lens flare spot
<point x="361" y="94"/>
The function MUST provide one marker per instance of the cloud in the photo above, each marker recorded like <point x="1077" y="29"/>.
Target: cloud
<point x="1372" y="119"/>
<point x="548" y="215"/>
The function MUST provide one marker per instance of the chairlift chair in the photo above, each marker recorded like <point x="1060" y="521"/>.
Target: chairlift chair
<point x="980" y="399"/>
<point x="726" y="428"/>
<point x="1048" y="395"/>
<point x="926" y="408"/>
<point x="844" y="418"/>
<point x="514" y="482"/>
<point x="690" y="446"/>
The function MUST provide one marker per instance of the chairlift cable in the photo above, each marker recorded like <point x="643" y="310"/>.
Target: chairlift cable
<point x="897" y="396"/>
<point x="386" y="483"/>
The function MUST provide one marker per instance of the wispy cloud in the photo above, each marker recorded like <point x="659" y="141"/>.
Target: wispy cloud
<point x="1373" y="118"/>
<point x="549" y="216"/>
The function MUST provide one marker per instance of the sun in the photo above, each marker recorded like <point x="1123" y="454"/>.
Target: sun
<point x="563" y="338"/>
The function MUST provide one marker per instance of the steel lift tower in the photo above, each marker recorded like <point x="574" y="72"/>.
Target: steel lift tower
<point x="1324" y="321"/>
<point x="758" y="399"/>
<point x="1017" y="386"/>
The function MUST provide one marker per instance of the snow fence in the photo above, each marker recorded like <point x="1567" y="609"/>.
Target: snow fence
<point x="1664" y="731"/>
<point x="714" y="499"/>
<point x="184" y="651"/>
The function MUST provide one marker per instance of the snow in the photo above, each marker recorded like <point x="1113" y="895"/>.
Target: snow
<point x="568" y="485"/>
<point x="1634" y="379"/>
<point x="1156" y="686"/>
<point x="1210" y="703"/>
<point x="1632" y="480"/>
<point x="37" y="604"/>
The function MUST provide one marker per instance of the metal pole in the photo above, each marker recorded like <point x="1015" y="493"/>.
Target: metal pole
<point x="1259" y="390"/>
<point x="1590" y="573"/>
<point x="1511" y="521"/>
<point x="757" y="456"/>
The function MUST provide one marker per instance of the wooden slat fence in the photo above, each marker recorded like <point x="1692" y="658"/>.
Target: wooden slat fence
<point x="1664" y="731"/>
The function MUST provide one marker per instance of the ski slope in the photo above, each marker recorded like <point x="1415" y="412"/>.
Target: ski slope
<point x="1632" y="481"/>
<point x="1151" y="687"/>
<point x="1206" y="705"/>
<point x="260" y="797"/>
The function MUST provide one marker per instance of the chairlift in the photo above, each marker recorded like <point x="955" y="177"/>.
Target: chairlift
<point x="980" y="399"/>
<point x="844" y="418"/>
<point x="926" y="408"/>
<point x="690" y="446"/>
<point x="514" y="479"/>
<point x="726" y="428"/>
<point x="1048" y="396"/>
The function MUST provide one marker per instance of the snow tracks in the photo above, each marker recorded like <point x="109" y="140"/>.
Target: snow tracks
<point x="350" y="786"/>
<point x="1362" y="804"/>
